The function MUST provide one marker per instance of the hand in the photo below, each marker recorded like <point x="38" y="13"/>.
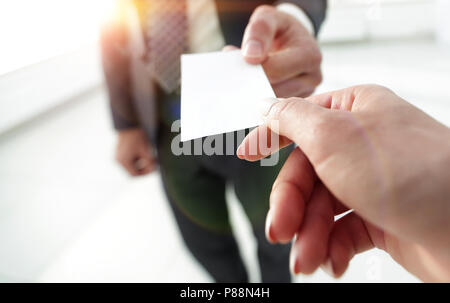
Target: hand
<point x="135" y="153"/>
<point x="366" y="149"/>
<point x="289" y="55"/>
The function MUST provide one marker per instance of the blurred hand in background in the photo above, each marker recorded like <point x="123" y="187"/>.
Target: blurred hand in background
<point x="135" y="153"/>
<point x="289" y="54"/>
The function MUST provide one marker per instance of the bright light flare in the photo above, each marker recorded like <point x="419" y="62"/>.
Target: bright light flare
<point x="31" y="31"/>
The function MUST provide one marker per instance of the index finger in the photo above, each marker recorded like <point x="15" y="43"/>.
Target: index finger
<point x="292" y="61"/>
<point x="290" y="193"/>
<point x="261" y="30"/>
<point x="253" y="139"/>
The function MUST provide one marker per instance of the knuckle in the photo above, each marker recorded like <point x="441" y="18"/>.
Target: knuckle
<point x="262" y="19"/>
<point x="259" y="26"/>
<point x="263" y="10"/>
<point x="316" y="56"/>
<point x="318" y="78"/>
<point x="307" y="92"/>
<point x="326" y="125"/>
<point x="362" y="94"/>
<point x="342" y="123"/>
<point x="284" y="108"/>
<point x="322" y="134"/>
<point x="371" y="88"/>
<point x="322" y="126"/>
<point x="118" y="157"/>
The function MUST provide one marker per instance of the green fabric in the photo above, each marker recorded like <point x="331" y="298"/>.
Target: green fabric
<point x="199" y="191"/>
<point x="166" y="104"/>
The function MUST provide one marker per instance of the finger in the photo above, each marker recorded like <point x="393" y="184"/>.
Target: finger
<point x="322" y="100"/>
<point x="261" y="142"/>
<point x="309" y="250"/>
<point x="260" y="33"/>
<point x="148" y="169"/>
<point x="291" y="191"/>
<point x="298" y="120"/>
<point x="350" y="236"/>
<point x="228" y="48"/>
<point x="290" y="62"/>
<point x="130" y="167"/>
<point x="145" y="162"/>
<point x="300" y="86"/>
<point x="352" y="98"/>
<point x="339" y="208"/>
<point x="145" y="165"/>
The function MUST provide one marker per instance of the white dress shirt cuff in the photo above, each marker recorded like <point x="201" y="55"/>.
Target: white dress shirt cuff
<point x="297" y="13"/>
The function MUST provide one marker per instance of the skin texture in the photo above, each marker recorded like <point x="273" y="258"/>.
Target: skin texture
<point x="362" y="148"/>
<point x="289" y="54"/>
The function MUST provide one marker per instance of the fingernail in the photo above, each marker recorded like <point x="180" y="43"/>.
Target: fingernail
<point x="328" y="267"/>
<point x="269" y="232"/>
<point x="253" y="49"/>
<point x="294" y="264"/>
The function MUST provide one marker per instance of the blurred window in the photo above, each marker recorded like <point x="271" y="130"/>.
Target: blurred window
<point x="356" y="20"/>
<point x="32" y="31"/>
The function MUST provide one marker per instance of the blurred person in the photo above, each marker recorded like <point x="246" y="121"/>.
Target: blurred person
<point x="141" y="51"/>
<point x="366" y="149"/>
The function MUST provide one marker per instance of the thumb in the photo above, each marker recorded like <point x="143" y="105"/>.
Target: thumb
<point x="260" y="33"/>
<point x="309" y="125"/>
<point x="299" y="120"/>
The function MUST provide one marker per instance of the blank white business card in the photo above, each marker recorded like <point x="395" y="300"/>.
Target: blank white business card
<point x="221" y="93"/>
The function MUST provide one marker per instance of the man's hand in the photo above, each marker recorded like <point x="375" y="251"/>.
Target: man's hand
<point x="366" y="149"/>
<point x="135" y="153"/>
<point x="289" y="54"/>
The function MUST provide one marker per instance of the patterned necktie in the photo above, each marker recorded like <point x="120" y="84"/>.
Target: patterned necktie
<point x="167" y="40"/>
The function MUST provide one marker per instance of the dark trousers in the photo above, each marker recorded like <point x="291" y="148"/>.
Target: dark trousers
<point x="195" y="186"/>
